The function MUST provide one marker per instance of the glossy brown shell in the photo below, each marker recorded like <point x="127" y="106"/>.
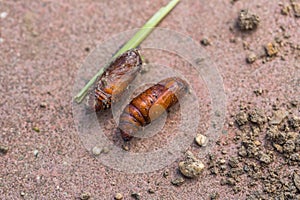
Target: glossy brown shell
<point x="114" y="80"/>
<point x="149" y="105"/>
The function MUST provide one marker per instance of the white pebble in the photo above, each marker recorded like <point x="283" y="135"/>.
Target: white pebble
<point x="96" y="151"/>
<point x="3" y="15"/>
<point x="1" y="40"/>
<point x="201" y="140"/>
<point x="36" y="153"/>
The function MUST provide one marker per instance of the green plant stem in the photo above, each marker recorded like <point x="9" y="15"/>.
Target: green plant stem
<point x="132" y="43"/>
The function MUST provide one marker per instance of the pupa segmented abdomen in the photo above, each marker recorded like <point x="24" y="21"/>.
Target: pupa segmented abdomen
<point x="115" y="79"/>
<point x="149" y="105"/>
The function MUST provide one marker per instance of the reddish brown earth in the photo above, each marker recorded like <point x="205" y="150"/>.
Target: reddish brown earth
<point x="43" y="45"/>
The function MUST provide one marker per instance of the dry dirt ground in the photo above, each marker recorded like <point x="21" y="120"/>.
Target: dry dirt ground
<point x="44" y="43"/>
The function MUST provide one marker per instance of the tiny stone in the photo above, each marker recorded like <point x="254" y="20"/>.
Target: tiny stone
<point x="237" y="189"/>
<point x="125" y="147"/>
<point x="105" y="150"/>
<point x="289" y="146"/>
<point x="257" y="117"/>
<point x="178" y="181"/>
<point x="246" y="45"/>
<point x="201" y="140"/>
<point x="3" y="15"/>
<point x="294" y="122"/>
<point x="205" y="42"/>
<point x="296" y="8"/>
<point x="285" y="10"/>
<point x="118" y="196"/>
<point x="166" y="173"/>
<point x="251" y="58"/>
<point x="258" y="91"/>
<point x="257" y="143"/>
<point x="96" y="150"/>
<point x="3" y="149"/>
<point x="36" y="129"/>
<point x="214" y="196"/>
<point x="265" y="158"/>
<point x="230" y="181"/>
<point x="36" y="153"/>
<point x="22" y="194"/>
<point x="247" y="21"/>
<point x="136" y="196"/>
<point x="271" y="49"/>
<point x="242" y="152"/>
<point x="241" y="118"/>
<point x="294" y="103"/>
<point x="151" y="191"/>
<point x="85" y="196"/>
<point x="233" y="162"/>
<point x="1" y="40"/>
<point x="191" y="167"/>
<point x="43" y="104"/>
<point x="278" y="147"/>
<point x="222" y="161"/>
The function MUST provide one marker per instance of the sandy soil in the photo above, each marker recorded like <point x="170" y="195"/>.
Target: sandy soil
<point x="43" y="45"/>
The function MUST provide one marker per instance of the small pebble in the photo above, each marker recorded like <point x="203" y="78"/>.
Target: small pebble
<point x="96" y="151"/>
<point x="125" y="147"/>
<point x="36" y="129"/>
<point x="296" y="8"/>
<point x="247" y="21"/>
<point x="22" y="194"/>
<point x="205" y="42"/>
<point x="233" y="162"/>
<point x="222" y="161"/>
<point x="265" y="158"/>
<point x="85" y="196"/>
<point x="3" y="15"/>
<point x="201" y="140"/>
<point x="3" y="149"/>
<point x="151" y="191"/>
<point x="271" y="49"/>
<point x="136" y="196"/>
<point x="43" y="104"/>
<point x="251" y="58"/>
<point x="285" y="10"/>
<point x="224" y="152"/>
<point x="178" y="181"/>
<point x="1" y="40"/>
<point x="258" y="91"/>
<point x="166" y="173"/>
<point x="191" y="167"/>
<point x="118" y="196"/>
<point x="36" y="153"/>
<point x="105" y="150"/>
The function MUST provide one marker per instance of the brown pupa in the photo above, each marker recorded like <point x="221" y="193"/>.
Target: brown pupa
<point x="114" y="80"/>
<point x="150" y="105"/>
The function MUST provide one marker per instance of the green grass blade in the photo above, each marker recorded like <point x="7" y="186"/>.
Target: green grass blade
<point x="132" y="43"/>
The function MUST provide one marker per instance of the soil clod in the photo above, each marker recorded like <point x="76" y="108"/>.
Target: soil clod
<point x="247" y="21"/>
<point x="191" y="167"/>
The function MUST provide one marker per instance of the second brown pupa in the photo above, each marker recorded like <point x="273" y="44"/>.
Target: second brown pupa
<point x="115" y="79"/>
